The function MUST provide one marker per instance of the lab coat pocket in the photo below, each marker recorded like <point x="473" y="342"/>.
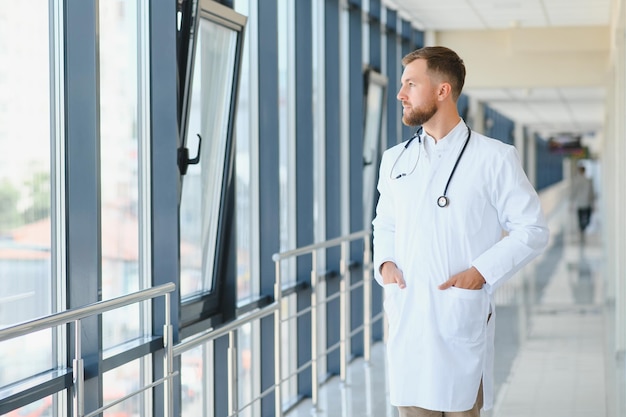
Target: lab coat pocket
<point x="464" y="314"/>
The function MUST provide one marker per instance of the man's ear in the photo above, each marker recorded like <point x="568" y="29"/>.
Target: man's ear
<point x="445" y="89"/>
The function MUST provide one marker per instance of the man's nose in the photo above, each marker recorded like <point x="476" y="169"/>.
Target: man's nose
<point x="400" y="94"/>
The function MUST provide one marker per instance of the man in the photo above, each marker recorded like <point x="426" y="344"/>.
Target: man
<point x="582" y="196"/>
<point x="456" y="218"/>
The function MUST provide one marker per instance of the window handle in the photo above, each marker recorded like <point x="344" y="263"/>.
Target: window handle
<point x="183" y="157"/>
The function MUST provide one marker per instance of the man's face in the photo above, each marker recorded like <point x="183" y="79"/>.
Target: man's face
<point x="418" y="94"/>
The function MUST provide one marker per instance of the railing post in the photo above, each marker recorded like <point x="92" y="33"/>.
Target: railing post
<point x="344" y="326"/>
<point x="78" y="374"/>
<point x="232" y="373"/>
<point x="314" y="332"/>
<point x="278" y="400"/>
<point x="367" y="299"/>
<point x="168" y="358"/>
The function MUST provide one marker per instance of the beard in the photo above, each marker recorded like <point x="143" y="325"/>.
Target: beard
<point x="419" y="116"/>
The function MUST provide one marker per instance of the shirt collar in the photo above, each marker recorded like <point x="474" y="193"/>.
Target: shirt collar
<point x="452" y="140"/>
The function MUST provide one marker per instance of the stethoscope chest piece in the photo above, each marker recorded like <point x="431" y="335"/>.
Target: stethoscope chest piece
<point x="443" y="201"/>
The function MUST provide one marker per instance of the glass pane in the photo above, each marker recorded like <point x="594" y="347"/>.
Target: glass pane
<point x="27" y="289"/>
<point x="192" y="382"/>
<point x="289" y="365"/>
<point x="39" y="408"/>
<point x="285" y="56"/>
<point x="247" y="391"/>
<point x="246" y="287"/>
<point x="208" y="117"/>
<point x="286" y="135"/>
<point x="374" y="106"/>
<point x="25" y="356"/>
<point x="287" y="176"/>
<point x="120" y="165"/>
<point x="120" y="382"/>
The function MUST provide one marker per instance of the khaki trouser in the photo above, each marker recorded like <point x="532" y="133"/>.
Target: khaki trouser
<point x="421" y="412"/>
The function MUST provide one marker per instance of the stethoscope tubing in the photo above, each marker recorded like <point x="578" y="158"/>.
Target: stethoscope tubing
<point x="443" y="200"/>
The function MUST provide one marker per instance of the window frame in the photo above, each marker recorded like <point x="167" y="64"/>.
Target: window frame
<point x="209" y="308"/>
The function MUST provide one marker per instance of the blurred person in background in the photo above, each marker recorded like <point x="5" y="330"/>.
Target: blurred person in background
<point x="582" y="197"/>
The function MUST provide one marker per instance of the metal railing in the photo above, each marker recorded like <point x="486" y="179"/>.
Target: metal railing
<point x="274" y="308"/>
<point x="345" y="288"/>
<point x="230" y="329"/>
<point x="76" y="315"/>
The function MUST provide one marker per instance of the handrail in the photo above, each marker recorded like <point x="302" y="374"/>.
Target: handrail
<point x="274" y="308"/>
<point x="320" y="245"/>
<point x="216" y="333"/>
<point x="345" y="288"/>
<point x="230" y="329"/>
<point x="97" y="308"/>
<point x="170" y="351"/>
<point x="64" y="317"/>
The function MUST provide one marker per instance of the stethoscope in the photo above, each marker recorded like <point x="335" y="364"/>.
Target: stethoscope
<point x="443" y="200"/>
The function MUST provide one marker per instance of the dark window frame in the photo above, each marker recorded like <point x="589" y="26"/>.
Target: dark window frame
<point x="208" y="309"/>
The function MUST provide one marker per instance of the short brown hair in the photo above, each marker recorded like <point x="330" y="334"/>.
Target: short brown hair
<point x="441" y="61"/>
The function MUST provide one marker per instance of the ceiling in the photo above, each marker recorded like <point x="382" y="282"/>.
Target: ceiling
<point x="577" y="109"/>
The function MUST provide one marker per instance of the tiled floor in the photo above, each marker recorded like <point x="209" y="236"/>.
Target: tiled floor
<point x="553" y="355"/>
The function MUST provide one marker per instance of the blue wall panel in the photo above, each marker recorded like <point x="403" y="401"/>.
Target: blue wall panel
<point x="269" y="204"/>
<point x="549" y="165"/>
<point x="356" y="167"/>
<point x="333" y="173"/>
<point x="394" y="69"/>
<point x="499" y="126"/>
<point x="304" y="179"/>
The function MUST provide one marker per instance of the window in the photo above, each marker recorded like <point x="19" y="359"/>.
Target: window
<point x="120" y="156"/>
<point x="287" y="174"/>
<point x="207" y="123"/>
<point x="376" y="85"/>
<point x="246" y="154"/>
<point x="202" y="188"/>
<point x="195" y="377"/>
<point x="286" y="109"/>
<point x="248" y="281"/>
<point x="120" y="382"/>
<point x="124" y="176"/>
<point x="28" y="287"/>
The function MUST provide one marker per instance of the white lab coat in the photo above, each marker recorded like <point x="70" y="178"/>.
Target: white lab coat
<point x="439" y="343"/>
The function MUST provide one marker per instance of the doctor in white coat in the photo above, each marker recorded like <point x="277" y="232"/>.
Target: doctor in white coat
<point x="456" y="218"/>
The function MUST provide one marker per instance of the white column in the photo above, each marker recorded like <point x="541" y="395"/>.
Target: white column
<point x="518" y="141"/>
<point x="476" y="115"/>
<point x="616" y="196"/>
